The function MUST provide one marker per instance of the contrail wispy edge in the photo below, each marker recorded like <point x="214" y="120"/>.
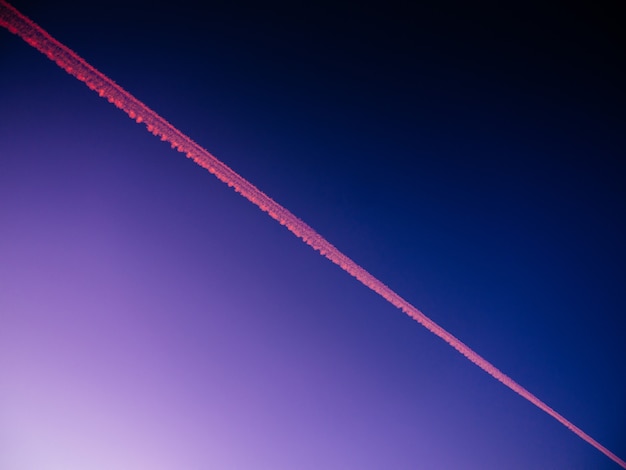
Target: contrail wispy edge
<point x="65" y="58"/>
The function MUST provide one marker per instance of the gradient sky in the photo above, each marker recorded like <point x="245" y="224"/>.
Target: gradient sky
<point x="468" y="157"/>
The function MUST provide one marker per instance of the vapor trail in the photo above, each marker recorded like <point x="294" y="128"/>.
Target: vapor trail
<point x="68" y="60"/>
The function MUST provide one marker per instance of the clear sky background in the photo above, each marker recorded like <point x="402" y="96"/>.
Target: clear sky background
<point x="468" y="156"/>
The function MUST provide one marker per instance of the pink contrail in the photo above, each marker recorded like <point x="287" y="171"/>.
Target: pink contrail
<point x="18" y="24"/>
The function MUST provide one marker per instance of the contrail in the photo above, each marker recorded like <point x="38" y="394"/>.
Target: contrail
<point x="68" y="60"/>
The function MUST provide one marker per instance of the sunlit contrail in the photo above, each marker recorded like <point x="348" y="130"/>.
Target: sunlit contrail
<point x="68" y="60"/>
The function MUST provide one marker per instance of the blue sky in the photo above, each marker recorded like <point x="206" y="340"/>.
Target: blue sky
<point x="470" y="159"/>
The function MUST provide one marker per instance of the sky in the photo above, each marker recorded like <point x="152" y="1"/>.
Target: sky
<point x="467" y="156"/>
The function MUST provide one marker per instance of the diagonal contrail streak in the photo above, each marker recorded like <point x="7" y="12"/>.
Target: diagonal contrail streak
<point x="68" y="60"/>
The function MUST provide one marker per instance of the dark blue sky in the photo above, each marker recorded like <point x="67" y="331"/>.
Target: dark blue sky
<point x="467" y="156"/>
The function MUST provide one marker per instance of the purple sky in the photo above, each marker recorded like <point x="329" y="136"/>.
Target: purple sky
<point x="152" y="318"/>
